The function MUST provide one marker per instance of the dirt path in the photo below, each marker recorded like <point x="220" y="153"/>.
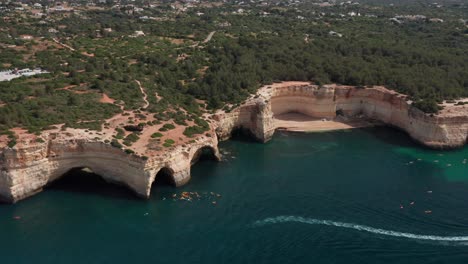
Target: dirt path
<point x="63" y="44"/>
<point x="208" y="38"/>
<point x="145" y="96"/>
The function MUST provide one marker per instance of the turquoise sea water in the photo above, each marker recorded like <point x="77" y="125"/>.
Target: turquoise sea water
<point x="360" y="196"/>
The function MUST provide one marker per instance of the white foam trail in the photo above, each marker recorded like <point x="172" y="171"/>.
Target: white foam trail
<point x="311" y="221"/>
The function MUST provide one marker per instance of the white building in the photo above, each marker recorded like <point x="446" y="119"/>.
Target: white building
<point x="13" y="74"/>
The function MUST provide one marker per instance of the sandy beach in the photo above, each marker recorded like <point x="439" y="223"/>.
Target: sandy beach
<point x="303" y="123"/>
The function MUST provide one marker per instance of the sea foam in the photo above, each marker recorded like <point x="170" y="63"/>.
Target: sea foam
<point x="461" y="240"/>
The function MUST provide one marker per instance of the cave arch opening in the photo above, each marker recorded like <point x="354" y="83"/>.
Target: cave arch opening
<point x="241" y="133"/>
<point x="85" y="181"/>
<point x="203" y="154"/>
<point x="164" y="177"/>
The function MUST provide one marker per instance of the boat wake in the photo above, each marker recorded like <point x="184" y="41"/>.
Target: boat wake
<point x="458" y="240"/>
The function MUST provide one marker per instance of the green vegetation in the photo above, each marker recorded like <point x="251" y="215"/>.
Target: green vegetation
<point x="201" y="127"/>
<point x="11" y="138"/>
<point x="167" y="127"/>
<point x="90" y="125"/>
<point x="129" y="151"/>
<point x="425" y="59"/>
<point x="427" y="106"/>
<point x="116" y="144"/>
<point x="156" y="135"/>
<point x="120" y="133"/>
<point x="168" y="143"/>
<point x="130" y="139"/>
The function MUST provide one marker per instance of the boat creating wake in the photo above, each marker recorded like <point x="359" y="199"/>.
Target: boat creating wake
<point x="460" y="240"/>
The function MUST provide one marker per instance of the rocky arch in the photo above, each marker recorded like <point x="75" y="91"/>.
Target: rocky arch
<point x="85" y="180"/>
<point x="49" y="162"/>
<point x="53" y="159"/>
<point x="86" y="169"/>
<point x="179" y="167"/>
<point x="113" y="170"/>
<point x="204" y="153"/>
<point x="165" y="176"/>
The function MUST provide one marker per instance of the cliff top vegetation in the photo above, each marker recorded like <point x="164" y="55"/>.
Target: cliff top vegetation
<point x="98" y="55"/>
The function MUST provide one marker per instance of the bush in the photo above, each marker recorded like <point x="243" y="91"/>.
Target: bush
<point x="133" y="128"/>
<point x="427" y="106"/>
<point x="116" y="144"/>
<point x="168" y="126"/>
<point x="156" y="135"/>
<point x="129" y="151"/>
<point x="192" y="130"/>
<point x="132" y="138"/>
<point x="12" y="143"/>
<point x="120" y="133"/>
<point x="169" y="141"/>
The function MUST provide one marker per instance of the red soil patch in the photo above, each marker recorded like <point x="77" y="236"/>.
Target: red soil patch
<point x="106" y="99"/>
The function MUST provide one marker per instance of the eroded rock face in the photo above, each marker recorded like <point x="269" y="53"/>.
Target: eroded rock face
<point x="28" y="167"/>
<point x="448" y="129"/>
<point x="25" y="170"/>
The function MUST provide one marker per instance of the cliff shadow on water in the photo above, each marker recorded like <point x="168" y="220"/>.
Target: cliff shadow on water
<point x="392" y="136"/>
<point x="400" y="138"/>
<point x="84" y="181"/>
<point x="243" y="135"/>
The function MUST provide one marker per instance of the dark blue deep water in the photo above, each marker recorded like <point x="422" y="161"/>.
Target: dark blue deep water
<point x="360" y="196"/>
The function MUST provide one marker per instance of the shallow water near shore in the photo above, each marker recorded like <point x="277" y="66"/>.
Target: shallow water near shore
<point x="356" y="196"/>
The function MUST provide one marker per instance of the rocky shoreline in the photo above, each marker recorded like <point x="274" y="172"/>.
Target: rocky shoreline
<point x="448" y="129"/>
<point x="31" y="165"/>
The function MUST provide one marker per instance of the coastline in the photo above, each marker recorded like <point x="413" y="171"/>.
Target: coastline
<point x="31" y="164"/>
<point x="448" y="129"/>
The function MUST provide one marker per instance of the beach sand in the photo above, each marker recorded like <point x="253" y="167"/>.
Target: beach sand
<point x="303" y="123"/>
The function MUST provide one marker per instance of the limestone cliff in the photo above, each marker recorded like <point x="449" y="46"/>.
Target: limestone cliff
<point x="32" y="164"/>
<point x="26" y="169"/>
<point x="448" y="129"/>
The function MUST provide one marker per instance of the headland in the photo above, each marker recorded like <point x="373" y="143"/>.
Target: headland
<point x="37" y="160"/>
